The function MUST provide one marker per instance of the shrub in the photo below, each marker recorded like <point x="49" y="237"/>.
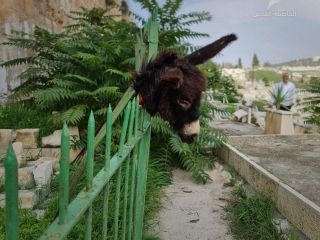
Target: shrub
<point x="84" y="68"/>
<point x="312" y="104"/>
<point x="223" y="86"/>
<point x="16" y="116"/>
<point x="260" y="104"/>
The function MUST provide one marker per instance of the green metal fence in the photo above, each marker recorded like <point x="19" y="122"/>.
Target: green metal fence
<point x="132" y="158"/>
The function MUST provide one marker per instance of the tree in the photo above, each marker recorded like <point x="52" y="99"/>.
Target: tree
<point x="255" y="61"/>
<point x="239" y="63"/>
<point x="175" y="28"/>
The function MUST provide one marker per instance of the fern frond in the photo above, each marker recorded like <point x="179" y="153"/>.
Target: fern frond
<point x="17" y="62"/>
<point x="82" y="79"/>
<point x="51" y="96"/>
<point x="160" y="126"/>
<point x="177" y="146"/>
<point x="71" y="116"/>
<point x="125" y="75"/>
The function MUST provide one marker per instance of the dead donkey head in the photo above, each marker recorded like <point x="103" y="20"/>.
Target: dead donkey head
<point x="172" y="85"/>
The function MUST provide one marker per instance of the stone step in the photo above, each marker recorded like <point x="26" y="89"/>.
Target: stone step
<point x="25" y="178"/>
<point x="29" y="137"/>
<point x="27" y="199"/>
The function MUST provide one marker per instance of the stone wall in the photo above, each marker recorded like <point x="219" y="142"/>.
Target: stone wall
<point x="24" y="15"/>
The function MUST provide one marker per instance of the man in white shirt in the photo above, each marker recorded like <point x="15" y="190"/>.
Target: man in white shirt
<point x="288" y="92"/>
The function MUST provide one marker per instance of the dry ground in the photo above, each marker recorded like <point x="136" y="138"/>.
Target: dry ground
<point x="195" y="212"/>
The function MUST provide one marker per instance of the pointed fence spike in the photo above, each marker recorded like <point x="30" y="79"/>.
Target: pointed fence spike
<point x="108" y="138"/>
<point x="90" y="147"/>
<point x="64" y="174"/>
<point x="131" y="121"/>
<point x="11" y="194"/>
<point x="124" y="127"/>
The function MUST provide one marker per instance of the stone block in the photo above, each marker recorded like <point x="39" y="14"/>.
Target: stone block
<point x="43" y="172"/>
<point x="244" y="119"/>
<point x="55" y="153"/>
<point x="1" y="179"/>
<point x="53" y="159"/>
<point x="279" y="122"/>
<point x="18" y="150"/>
<point x="29" y="137"/>
<point x="27" y="199"/>
<point x="6" y="137"/>
<point x="26" y="179"/>
<point x="54" y="140"/>
<point x="2" y="200"/>
<point x="239" y="114"/>
<point x="32" y="154"/>
<point x="50" y="152"/>
<point x="42" y="192"/>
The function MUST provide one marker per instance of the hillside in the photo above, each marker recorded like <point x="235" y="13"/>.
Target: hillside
<point x="306" y="62"/>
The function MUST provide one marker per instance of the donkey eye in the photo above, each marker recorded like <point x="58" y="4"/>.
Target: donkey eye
<point x="185" y="104"/>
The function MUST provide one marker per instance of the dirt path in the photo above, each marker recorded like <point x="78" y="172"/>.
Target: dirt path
<point x="195" y="212"/>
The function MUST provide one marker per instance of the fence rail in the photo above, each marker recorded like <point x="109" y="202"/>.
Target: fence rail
<point x="129" y="163"/>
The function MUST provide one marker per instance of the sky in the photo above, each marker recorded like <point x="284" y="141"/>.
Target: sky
<point x="293" y="35"/>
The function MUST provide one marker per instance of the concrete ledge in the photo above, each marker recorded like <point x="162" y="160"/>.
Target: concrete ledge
<point x="299" y="210"/>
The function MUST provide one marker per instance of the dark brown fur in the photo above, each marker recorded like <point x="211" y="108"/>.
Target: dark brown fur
<point x="172" y="85"/>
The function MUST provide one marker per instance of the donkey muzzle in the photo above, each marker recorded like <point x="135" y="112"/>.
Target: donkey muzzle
<point x="190" y="131"/>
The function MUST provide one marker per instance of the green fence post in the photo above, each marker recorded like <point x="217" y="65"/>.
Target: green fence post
<point x="124" y="127"/>
<point x="153" y="35"/>
<point x="119" y="175"/>
<point x="108" y="139"/>
<point x="140" y="52"/>
<point x="133" y="168"/>
<point x="64" y="175"/>
<point x="11" y="195"/>
<point x="126" y="181"/>
<point x="90" y="159"/>
<point x="143" y="156"/>
<point x="107" y="168"/>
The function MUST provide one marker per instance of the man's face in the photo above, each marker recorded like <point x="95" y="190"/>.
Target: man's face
<point x="285" y="77"/>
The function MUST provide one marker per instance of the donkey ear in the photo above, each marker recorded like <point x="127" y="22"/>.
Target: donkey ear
<point x="211" y="50"/>
<point x="172" y="76"/>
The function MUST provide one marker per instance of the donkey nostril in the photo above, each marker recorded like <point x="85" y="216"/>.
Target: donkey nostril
<point x="193" y="137"/>
<point x="188" y="138"/>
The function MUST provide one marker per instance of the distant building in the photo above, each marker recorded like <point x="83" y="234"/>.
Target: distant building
<point x="316" y="58"/>
<point x="227" y="65"/>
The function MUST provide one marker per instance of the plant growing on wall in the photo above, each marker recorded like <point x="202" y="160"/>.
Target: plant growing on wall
<point x="84" y="68"/>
